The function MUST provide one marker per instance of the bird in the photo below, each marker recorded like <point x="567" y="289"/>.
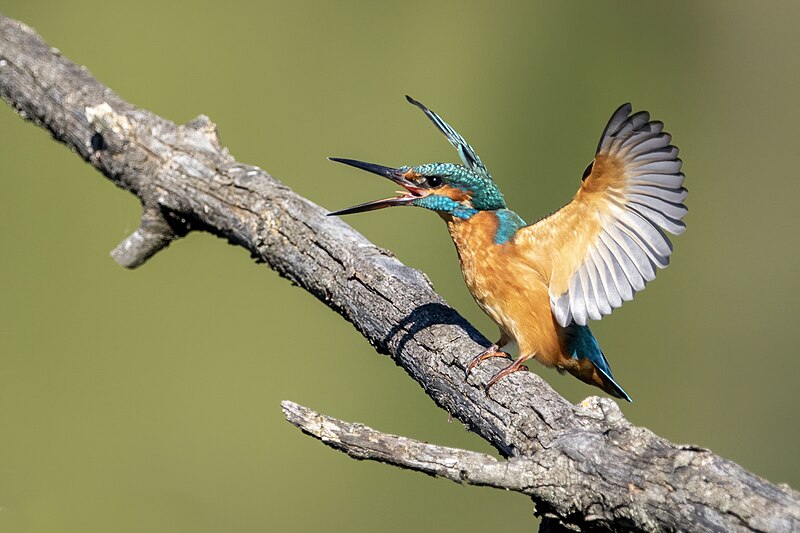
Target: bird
<point x="542" y="283"/>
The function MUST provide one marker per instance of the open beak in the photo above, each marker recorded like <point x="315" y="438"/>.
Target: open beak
<point x="412" y="192"/>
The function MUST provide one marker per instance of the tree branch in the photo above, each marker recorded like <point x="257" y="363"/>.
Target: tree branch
<point x="462" y="466"/>
<point x="597" y="470"/>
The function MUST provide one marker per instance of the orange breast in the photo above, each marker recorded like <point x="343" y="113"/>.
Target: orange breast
<point x="511" y="289"/>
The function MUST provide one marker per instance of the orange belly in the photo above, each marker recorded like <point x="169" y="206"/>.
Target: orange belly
<point x="509" y="288"/>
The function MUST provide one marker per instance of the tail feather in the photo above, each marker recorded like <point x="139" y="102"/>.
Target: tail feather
<point x="612" y="387"/>
<point x="592" y="367"/>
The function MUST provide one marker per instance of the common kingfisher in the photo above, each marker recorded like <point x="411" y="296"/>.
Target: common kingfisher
<point x="541" y="283"/>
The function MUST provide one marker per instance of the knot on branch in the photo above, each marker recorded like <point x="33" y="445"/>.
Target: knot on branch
<point x="112" y="127"/>
<point x="603" y="409"/>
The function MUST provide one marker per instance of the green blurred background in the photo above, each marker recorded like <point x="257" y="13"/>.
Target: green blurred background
<point x="148" y="400"/>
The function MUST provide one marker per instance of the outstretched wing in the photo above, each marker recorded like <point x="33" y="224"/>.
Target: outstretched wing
<point x="607" y="243"/>
<point x="465" y="151"/>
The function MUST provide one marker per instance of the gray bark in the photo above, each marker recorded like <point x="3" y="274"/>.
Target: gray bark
<point x="593" y="469"/>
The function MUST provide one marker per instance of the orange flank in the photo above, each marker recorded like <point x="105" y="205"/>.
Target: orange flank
<point x="510" y="288"/>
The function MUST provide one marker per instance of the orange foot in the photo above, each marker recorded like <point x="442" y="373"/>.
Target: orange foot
<point x="510" y="369"/>
<point x="491" y="351"/>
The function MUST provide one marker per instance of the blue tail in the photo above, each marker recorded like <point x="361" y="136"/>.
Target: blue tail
<point x="581" y="344"/>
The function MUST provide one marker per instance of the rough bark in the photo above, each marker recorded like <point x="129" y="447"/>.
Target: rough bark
<point x="593" y="469"/>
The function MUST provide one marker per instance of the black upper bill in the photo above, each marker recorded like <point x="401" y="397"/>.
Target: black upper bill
<point x="394" y="174"/>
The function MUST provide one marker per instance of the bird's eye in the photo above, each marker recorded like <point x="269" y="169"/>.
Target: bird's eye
<point x="434" y="181"/>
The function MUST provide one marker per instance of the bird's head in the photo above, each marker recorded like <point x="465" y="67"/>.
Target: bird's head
<point x="457" y="190"/>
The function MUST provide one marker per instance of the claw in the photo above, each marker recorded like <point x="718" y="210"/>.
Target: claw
<point x="491" y="351"/>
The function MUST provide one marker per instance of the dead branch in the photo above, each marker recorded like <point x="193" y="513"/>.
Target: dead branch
<point x="593" y="469"/>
